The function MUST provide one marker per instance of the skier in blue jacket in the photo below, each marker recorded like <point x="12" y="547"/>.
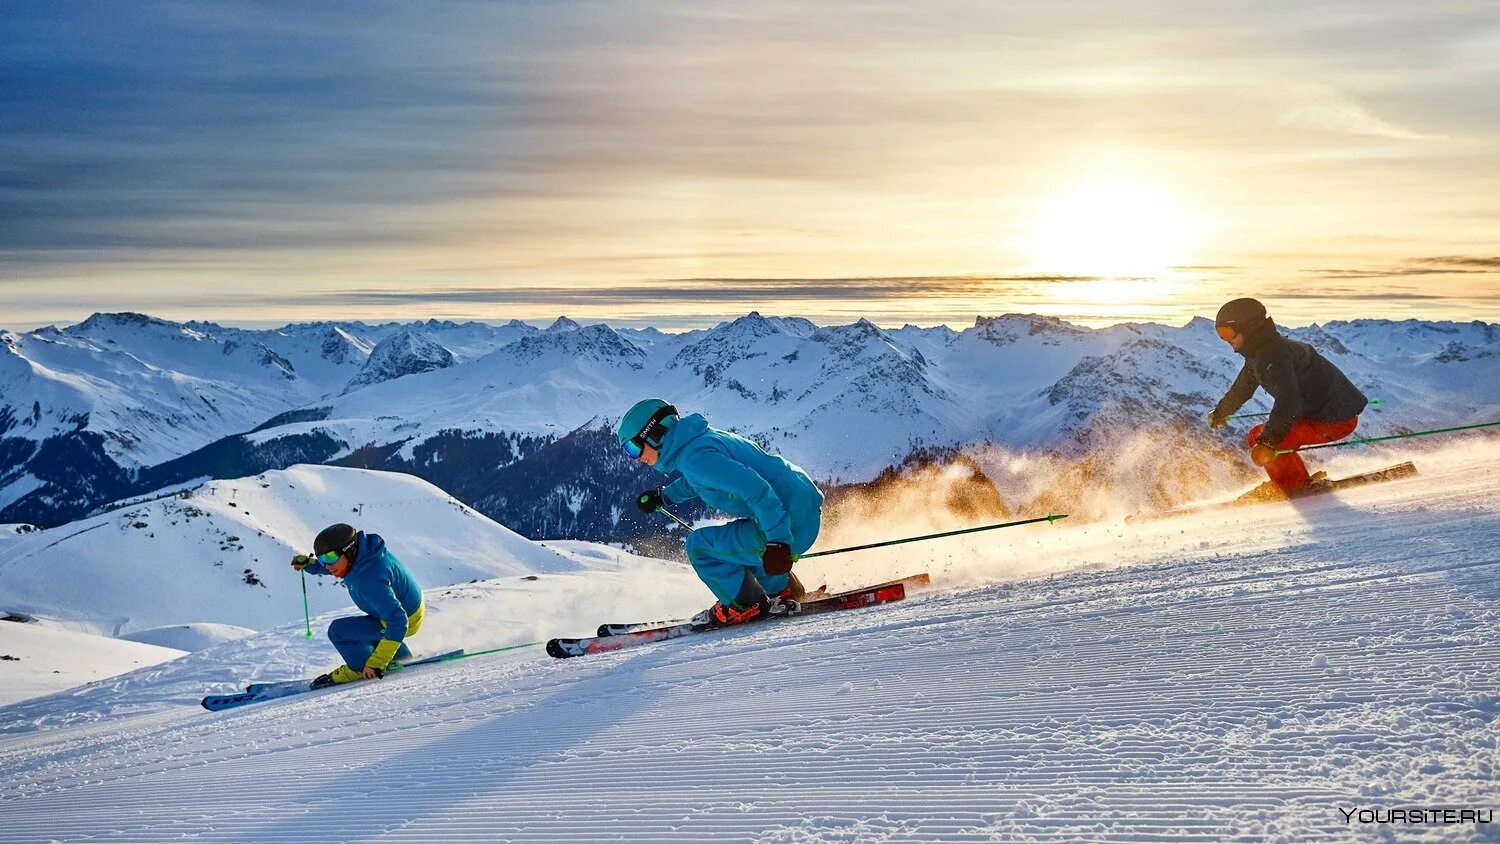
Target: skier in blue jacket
<point x="378" y="584"/>
<point x="746" y="563"/>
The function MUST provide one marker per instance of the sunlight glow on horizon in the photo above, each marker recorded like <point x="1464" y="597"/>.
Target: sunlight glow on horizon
<point x="1113" y="227"/>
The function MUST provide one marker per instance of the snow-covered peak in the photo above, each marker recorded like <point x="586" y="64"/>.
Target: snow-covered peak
<point x="1007" y="329"/>
<point x="749" y="325"/>
<point x="1319" y="338"/>
<point x="340" y="347"/>
<point x="399" y="355"/>
<point x="646" y="338"/>
<point x="724" y="346"/>
<point x="755" y="324"/>
<point x="594" y="342"/>
<point x="859" y="338"/>
<point x="561" y="324"/>
<point x="129" y="321"/>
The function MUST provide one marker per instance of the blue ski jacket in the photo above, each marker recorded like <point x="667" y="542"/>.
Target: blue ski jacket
<point x="380" y="585"/>
<point x="737" y="477"/>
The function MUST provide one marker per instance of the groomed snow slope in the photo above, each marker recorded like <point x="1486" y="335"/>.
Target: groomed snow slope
<point x="1240" y="676"/>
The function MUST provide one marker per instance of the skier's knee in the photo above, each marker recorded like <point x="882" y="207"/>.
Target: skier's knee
<point x="338" y="630"/>
<point x="694" y="547"/>
<point x="1254" y="435"/>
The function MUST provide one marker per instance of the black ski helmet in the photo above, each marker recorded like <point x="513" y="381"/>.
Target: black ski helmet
<point x="339" y="537"/>
<point x="1243" y="315"/>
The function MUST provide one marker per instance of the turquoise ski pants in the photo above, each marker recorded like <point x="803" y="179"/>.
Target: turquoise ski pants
<point x="722" y="554"/>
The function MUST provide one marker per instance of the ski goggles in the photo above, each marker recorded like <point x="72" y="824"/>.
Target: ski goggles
<point x="328" y="558"/>
<point x="1227" y="332"/>
<point x="651" y="434"/>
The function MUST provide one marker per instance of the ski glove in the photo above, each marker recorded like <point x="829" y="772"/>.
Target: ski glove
<point x="777" y="558"/>
<point x="1217" y="419"/>
<point x="1262" y="454"/>
<point x="302" y="561"/>
<point x="650" y="501"/>
<point x="385" y="651"/>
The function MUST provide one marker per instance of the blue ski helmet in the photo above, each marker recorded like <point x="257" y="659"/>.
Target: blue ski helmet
<point x="646" y="422"/>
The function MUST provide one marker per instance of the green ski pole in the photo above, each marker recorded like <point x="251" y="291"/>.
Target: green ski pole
<point x="396" y="666"/>
<point x="306" y="613"/>
<point x="1280" y="451"/>
<point x="1049" y="519"/>
<point x="1375" y="403"/>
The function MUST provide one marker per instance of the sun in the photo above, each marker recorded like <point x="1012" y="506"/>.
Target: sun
<point x="1112" y="228"/>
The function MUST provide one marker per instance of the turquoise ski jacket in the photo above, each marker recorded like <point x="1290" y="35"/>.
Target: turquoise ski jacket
<point x="737" y="477"/>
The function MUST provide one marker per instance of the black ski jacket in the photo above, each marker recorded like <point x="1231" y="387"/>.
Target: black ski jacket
<point x="1303" y="383"/>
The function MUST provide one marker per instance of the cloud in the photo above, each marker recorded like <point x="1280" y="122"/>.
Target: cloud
<point x="1442" y="265"/>
<point x="673" y="292"/>
<point x="1484" y="262"/>
<point x="1351" y="118"/>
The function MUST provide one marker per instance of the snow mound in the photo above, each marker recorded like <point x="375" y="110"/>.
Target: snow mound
<point x="39" y="657"/>
<point x="190" y="637"/>
<point x="221" y="556"/>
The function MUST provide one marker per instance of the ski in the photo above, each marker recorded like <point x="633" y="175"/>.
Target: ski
<point x="256" y="688"/>
<point x="259" y="692"/>
<point x="813" y="597"/>
<point x="565" y="648"/>
<point x="1389" y="473"/>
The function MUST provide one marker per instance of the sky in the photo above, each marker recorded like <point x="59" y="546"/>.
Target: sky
<point x="677" y="163"/>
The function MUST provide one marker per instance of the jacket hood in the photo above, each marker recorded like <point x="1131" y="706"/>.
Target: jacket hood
<point x="371" y="547"/>
<point x="685" y="431"/>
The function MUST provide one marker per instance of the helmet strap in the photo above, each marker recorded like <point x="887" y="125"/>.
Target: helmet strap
<point x="654" y="429"/>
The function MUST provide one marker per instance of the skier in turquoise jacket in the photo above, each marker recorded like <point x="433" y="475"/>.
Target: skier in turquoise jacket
<point x="379" y="585"/>
<point x="778" y="510"/>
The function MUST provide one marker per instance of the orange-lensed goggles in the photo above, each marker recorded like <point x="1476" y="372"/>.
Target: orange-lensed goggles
<point x="1227" y="332"/>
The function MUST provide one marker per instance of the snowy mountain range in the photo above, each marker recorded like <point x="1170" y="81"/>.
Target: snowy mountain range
<point x="514" y="419"/>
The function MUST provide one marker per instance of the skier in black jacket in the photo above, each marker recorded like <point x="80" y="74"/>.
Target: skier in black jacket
<point x="1315" y="402"/>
